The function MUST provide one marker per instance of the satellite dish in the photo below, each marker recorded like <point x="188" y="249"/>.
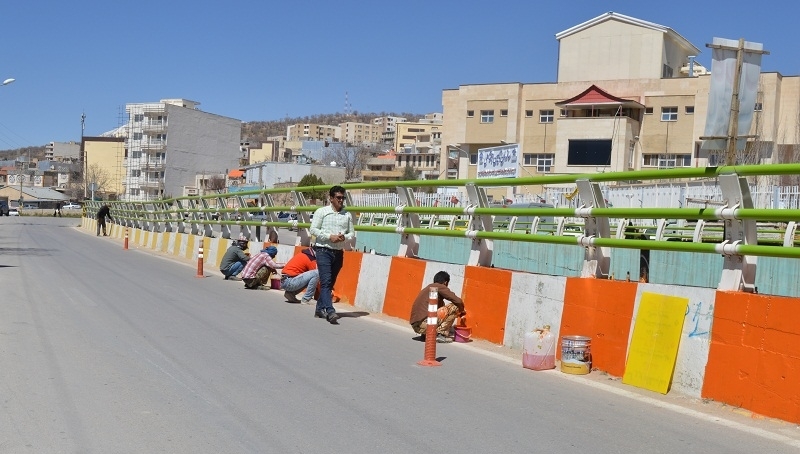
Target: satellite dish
<point x="333" y="163"/>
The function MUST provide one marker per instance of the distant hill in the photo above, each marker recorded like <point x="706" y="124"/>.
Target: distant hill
<point x="258" y="131"/>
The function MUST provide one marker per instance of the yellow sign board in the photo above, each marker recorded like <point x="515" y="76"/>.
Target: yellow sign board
<point x="655" y="341"/>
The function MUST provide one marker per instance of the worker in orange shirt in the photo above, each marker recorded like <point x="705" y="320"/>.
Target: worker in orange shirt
<point x="299" y="273"/>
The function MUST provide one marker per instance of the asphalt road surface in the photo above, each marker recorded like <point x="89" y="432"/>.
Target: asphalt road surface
<point x="104" y="350"/>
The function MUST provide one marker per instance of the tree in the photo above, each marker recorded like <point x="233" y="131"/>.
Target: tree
<point x="216" y="183"/>
<point x="312" y="180"/>
<point x="409" y="173"/>
<point x="94" y="174"/>
<point x="353" y="159"/>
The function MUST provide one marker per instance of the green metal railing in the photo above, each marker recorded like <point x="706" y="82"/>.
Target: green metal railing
<point x="230" y="209"/>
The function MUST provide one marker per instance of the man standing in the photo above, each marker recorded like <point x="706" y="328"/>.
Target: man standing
<point x="300" y="273"/>
<point x="447" y="312"/>
<point x="258" y="269"/>
<point x="333" y="227"/>
<point x="57" y="212"/>
<point x="234" y="259"/>
<point x="102" y="213"/>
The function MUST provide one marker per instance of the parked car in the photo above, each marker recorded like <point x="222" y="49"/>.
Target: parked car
<point x="13" y="212"/>
<point x="71" y="206"/>
<point x="3" y="208"/>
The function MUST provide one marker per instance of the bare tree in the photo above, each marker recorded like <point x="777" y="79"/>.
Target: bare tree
<point x="353" y="159"/>
<point x="216" y="183"/>
<point x="95" y="174"/>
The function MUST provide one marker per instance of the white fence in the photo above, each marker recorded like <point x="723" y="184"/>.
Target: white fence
<point x="663" y="195"/>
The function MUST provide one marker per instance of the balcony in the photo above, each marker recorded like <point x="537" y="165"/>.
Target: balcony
<point x="154" y="125"/>
<point x="154" y="164"/>
<point x="153" y="145"/>
<point x="150" y="182"/>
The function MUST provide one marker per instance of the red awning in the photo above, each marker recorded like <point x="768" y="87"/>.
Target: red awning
<point x="236" y="174"/>
<point x="595" y="96"/>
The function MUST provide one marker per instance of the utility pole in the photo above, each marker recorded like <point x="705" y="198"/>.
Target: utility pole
<point x="83" y="154"/>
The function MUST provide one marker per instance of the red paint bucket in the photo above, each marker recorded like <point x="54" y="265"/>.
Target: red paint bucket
<point x="275" y="283"/>
<point x="463" y="334"/>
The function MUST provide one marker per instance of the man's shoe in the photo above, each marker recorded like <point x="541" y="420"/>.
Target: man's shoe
<point x="290" y="297"/>
<point x="234" y="278"/>
<point x="332" y="318"/>
<point x="442" y="339"/>
<point x="305" y="301"/>
<point x="320" y="314"/>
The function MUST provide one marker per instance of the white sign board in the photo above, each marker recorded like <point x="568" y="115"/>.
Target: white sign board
<point x="499" y="162"/>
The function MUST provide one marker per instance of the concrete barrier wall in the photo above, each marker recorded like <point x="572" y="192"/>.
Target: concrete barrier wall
<point x="737" y="348"/>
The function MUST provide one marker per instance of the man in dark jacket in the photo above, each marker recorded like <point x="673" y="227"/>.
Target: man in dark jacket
<point x="102" y="213"/>
<point x="447" y="313"/>
<point x="234" y="260"/>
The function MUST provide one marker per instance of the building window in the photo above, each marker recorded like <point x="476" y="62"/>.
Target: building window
<point x="473" y="158"/>
<point x="666" y="72"/>
<point x="689" y="110"/>
<point x="487" y="116"/>
<point x="666" y="161"/>
<point x="503" y="112"/>
<point x="563" y="113"/>
<point x="546" y="116"/>
<point x="648" y="111"/>
<point x="669" y="114"/>
<point x="470" y="113"/>
<point x="758" y="107"/>
<point x="137" y="136"/>
<point x="528" y="114"/>
<point x="589" y="152"/>
<point x="542" y="161"/>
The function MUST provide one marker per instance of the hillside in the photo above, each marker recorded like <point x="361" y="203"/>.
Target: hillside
<point x="258" y="131"/>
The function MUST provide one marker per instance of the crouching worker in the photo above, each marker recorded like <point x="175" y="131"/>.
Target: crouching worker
<point x="300" y="273"/>
<point x="234" y="259"/>
<point x="447" y="313"/>
<point x="259" y="268"/>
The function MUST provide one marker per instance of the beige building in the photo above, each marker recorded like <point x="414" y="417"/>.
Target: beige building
<point x="107" y="155"/>
<point x="358" y="133"/>
<point x="624" y="100"/>
<point x="309" y="131"/>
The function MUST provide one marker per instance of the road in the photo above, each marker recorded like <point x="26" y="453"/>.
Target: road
<point x="104" y="350"/>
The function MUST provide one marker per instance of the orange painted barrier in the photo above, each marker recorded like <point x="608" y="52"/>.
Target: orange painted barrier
<point x="485" y="294"/>
<point x="402" y="286"/>
<point x="602" y="310"/>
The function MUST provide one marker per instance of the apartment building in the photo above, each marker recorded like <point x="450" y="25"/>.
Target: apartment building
<point x="62" y="151"/>
<point x="311" y="131"/>
<point x="169" y="142"/>
<point x="359" y="133"/>
<point x="629" y="95"/>
<point x="105" y="159"/>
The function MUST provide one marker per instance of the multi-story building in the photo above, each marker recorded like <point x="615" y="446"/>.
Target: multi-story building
<point x="105" y="157"/>
<point x="171" y="141"/>
<point x="62" y="151"/>
<point x="309" y="131"/>
<point x="358" y="133"/>
<point x="629" y="95"/>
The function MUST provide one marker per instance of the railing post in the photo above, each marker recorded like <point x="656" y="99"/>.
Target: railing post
<point x="738" y="271"/>
<point x="430" y="330"/>
<point x="125" y="244"/>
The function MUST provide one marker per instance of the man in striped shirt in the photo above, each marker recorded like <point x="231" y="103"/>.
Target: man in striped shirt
<point x="258" y="269"/>
<point x="332" y="226"/>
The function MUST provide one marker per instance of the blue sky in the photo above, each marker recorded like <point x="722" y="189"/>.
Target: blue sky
<point x="264" y="60"/>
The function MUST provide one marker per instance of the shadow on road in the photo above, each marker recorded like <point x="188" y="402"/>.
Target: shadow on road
<point x="25" y="251"/>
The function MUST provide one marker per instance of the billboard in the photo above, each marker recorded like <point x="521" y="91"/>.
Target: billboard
<point x="499" y="162"/>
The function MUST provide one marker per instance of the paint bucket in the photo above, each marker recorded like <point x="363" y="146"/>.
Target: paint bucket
<point x="539" y="350"/>
<point x="462" y="334"/>
<point x="275" y="283"/>
<point x="576" y="355"/>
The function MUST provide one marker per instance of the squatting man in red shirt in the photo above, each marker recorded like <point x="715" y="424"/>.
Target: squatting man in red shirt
<point x="447" y="313"/>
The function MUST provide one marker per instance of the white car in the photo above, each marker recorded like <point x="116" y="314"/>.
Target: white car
<point x="71" y="206"/>
<point x="13" y="212"/>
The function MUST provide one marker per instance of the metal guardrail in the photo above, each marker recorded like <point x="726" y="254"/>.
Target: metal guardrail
<point x="730" y="230"/>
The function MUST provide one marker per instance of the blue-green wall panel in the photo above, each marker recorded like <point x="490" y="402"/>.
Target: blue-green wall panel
<point x="778" y="276"/>
<point x="624" y="261"/>
<point x="685" y="268"/>
<point x="445" y="249"/>
<point x="551" y="259"/>
<point x="383" y="243"/>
